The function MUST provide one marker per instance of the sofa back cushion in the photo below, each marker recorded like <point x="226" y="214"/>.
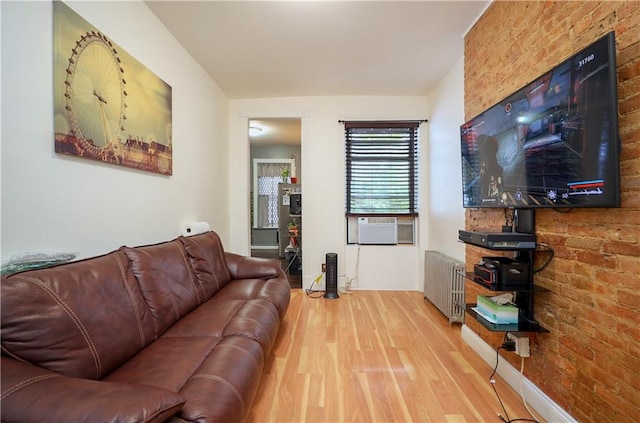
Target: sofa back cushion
<point x="166" y="281"/>
<point x="207" y="258"/>
<point x="81" y="319"/>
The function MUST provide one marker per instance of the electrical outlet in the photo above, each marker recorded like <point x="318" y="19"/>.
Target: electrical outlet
<point x="522" y="344"/>
<point x="324" y="267"/>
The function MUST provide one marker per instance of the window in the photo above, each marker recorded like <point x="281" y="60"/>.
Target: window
<point x="267" y="174"/>
<point x="382" y="168"/>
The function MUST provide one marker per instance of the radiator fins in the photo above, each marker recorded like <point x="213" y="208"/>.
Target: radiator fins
<point x="444" y="284"/>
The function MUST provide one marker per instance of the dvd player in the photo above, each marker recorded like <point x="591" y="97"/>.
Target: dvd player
<point x="499" y="240"/>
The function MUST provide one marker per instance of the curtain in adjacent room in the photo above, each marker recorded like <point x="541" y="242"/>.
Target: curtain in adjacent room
<point x="269" y="176"/>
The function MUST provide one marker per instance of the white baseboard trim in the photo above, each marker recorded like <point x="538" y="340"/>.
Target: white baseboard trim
<point x="537" y="400"/>
<point x="264" y="247"/>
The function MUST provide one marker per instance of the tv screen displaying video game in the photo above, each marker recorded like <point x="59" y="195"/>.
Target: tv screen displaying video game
<point x="553" y="143"/>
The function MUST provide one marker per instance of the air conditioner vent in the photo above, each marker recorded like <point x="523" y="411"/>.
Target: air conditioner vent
<point x="377" y="230"/>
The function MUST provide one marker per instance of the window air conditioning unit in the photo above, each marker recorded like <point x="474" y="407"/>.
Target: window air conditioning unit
<point x="377" y="230"/>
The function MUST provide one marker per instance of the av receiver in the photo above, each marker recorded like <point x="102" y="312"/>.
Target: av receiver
<point x="501" y="273"/>
<point x="499" y="240"/>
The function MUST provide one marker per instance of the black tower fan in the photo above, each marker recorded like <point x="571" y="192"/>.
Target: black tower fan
<point x="331" y="290"/>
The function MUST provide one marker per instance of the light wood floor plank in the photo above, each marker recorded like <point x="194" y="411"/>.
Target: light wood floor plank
<point x="375" y="357"/>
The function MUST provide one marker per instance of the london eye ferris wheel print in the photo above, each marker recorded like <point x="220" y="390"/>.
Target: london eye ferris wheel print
<point x="108" y="106"/>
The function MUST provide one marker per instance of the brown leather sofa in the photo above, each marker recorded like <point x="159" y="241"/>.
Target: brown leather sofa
<point x="178" y="331"/>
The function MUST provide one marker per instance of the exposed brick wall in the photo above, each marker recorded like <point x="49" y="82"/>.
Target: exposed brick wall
<point x="589" y="362"/>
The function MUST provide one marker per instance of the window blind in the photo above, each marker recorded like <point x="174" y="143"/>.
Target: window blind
<point x="382" y="167"/>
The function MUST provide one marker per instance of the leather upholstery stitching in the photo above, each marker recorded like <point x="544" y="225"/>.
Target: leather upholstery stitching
<point x="235" y="316"/>
<point x="213" y="273"/>
<point x="171" y="297"/>
<point x="269" y="309"/>
<point x="26" y="383"/>
<point x="12" y="355"/>
<point x="242" y="350"/>
<point x="228" y="385"/>
<point x="75" y="319"/>
<point x="235" y="313"/>
<point x="255" y="338"/>
<point x="194" y="273"/>
<point x="136" y="310"/>
<point x="188" y="266"/>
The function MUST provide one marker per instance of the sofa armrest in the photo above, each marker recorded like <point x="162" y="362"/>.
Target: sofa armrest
<point x="244" y="267"/>
<point x="33" y="394"/>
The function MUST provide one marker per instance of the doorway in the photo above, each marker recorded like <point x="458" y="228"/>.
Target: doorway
<point x="275" y="153"/>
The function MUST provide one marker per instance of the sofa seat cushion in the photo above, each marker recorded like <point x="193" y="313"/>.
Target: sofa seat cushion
<point x="33" y="394"/>
<point x="81" y="319"/>
<point x="253" y="319"/>
<point x="224" y="386"/>
<point x="168" y="363"/>
<point x="275" y="290"/>
<point x="217" y="377"/>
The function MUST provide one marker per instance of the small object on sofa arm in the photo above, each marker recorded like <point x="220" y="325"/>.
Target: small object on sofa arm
<point x="32" y="394"/>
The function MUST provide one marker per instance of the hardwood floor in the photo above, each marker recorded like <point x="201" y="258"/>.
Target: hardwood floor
<point x="376" y="356"/>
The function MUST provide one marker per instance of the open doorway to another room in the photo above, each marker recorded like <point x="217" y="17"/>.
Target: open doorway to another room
<point x="276" y="194"/>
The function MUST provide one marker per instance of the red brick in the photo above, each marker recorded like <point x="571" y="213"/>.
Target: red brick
<point x="629" y="104"/>
<point x="586" y="327"/>
<point x="628" y="88"/>
<point x="629" y="130"/>
<point x="630" y="167"/>
<point x="613" y="309"/>
<point x="610" y="400"/>
<point x="578" y="348"/>
<point x="622" y="248"/>
<point x="630" y="183"/>
<point x="624" y="375"/>
<point x="610" y="338"/>
<point x="582" y="25"/>
<point x="615" y="278"/>
<point x="631" y="265"/>
<point x="627" y="200"/>
<point x="602" y="377"/>
<point x="631" y="299"/>
<point x="596" y="259"/>
<point x="631" y="331"/>
<point x="628" y="71"/>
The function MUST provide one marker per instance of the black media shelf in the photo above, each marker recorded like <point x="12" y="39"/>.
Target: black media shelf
<point x="505" y="288"/>
<point x="523" y="325"/>
<point x="522" y="242"/>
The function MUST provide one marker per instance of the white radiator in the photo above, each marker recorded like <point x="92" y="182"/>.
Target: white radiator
<point x="444" y="284"/>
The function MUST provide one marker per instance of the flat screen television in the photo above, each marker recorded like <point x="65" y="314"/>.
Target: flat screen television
<point x="552" y="143"/>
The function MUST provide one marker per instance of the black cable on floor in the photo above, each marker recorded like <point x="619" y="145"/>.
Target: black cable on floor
<point x="313" y="291"/>
<point x="493" y="386"/>
<point x="504" y="418"/>
<point x="310" y="290"/>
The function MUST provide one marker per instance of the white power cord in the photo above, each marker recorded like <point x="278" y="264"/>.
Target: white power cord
<point x="349" y="281"/>
<point x="347" y="286"/>
<point x="524" y="401"/>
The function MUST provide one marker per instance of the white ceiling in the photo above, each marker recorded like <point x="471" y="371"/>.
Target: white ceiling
<point x="257" y="49"/>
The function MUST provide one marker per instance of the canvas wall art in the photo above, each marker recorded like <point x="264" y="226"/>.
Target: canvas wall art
<point x="107" y="105"/>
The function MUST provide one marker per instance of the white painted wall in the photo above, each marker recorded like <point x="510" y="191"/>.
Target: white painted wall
<point x="445" y="211"/>
<point x="61" y="203"/>
<point x="323" y="224"/>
